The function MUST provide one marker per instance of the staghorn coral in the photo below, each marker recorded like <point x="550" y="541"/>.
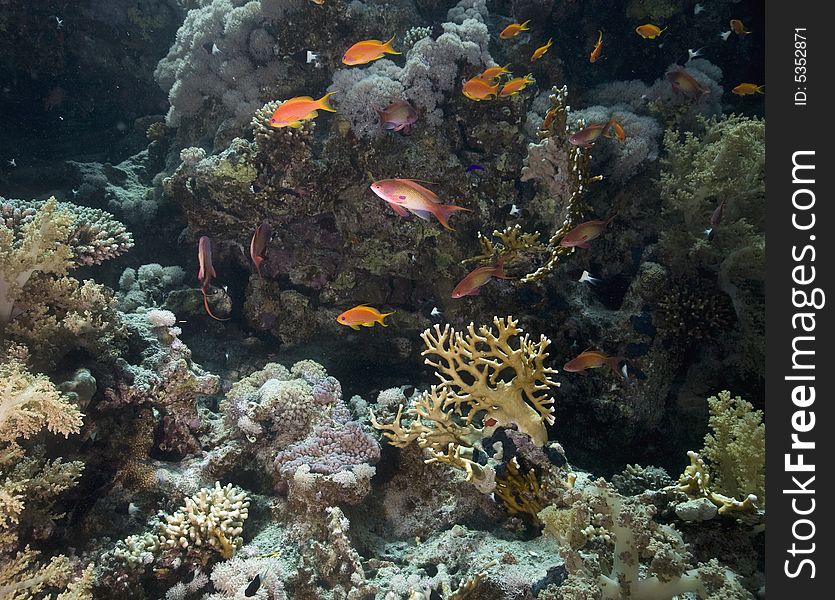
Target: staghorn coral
<point x="22" y="577"/>
<point x="212" y="518"/>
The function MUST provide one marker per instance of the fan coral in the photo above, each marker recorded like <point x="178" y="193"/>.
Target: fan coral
<point x="487" y="381"/>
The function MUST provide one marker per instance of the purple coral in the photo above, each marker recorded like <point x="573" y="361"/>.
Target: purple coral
<point x="331" y="448"/>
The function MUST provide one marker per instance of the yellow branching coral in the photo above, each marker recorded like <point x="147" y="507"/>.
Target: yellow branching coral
<point x="487" y="374"/>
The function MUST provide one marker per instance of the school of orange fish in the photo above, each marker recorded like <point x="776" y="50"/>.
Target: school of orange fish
<point x="407" y="196"/>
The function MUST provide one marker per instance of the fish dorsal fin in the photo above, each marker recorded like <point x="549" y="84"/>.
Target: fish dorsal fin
<point x="297" y="100"/>
<point x="413" y="183"/>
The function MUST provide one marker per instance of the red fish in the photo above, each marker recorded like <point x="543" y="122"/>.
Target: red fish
<point x="581" y="235"/>
<point x="206" y="272"/>
<point x="738" y="27"/>
<point x="683" y="83"/>
<point x="592" y="359"/>
<point x="406" y="196"/>
<point x="398" y="116"/>
<point x="258" y="244"/>
<point x="588" y="136"/>
<point x="472" y="282"/>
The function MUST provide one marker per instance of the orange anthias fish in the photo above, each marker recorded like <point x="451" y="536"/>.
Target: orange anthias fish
<point x="619" y="131"/>
<point x="368" y="50"/>
<point x="363" y="315"/>
<point x="738" y="28"/>
<point x="398" y="116"/>
<point x="516" y="85"/>
<point x="587" y="136"/>
<point x="406" y="196"/>
<point x="684" y="83"/>
<point x="592" y="359"/>
<point x="492" y="74"/>
<point x="744" y="89"/>
<point x="581" y="235"/>
<point x="514" y="29"/>
<point x="472" y="282"/>
<point x="649" y="31"/>
<point x="206" y="272"/>
<point x="537" y="54"/>
<point x="598" y="47"/>
<point x="479" y="89"/>
<point x="258" y="244"/>
<point x="295" y="111"/>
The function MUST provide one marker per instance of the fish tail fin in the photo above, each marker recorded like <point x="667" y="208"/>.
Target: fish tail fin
<point x="382" y="321"/>
<point x="323" y="103"/>
<point x="499" y="272"/>
<point x="443" y="211"/>
<point x="524" y="26"/>
<point x="208" y="310"/>
<point x="613" y="362"/>
<point x="388" y="48"/>
<point x="760" y="89"/>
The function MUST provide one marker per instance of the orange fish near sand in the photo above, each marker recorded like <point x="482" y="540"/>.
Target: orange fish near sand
<point x="738" y="28"/>
<point x="516" y="85"/>
<point x="472" y="282"/>
<point x="745" y="89"/>
<point x="598" y="47"/>
<point x="479" y="89"/>
<point x="649" y="31"/>
<point x="685" y="84"/>
<point x="592" y="359"/>
<point x="206" y="272"/>
<point x="537" y="54"/>
<point x="368" y="50"/>
<point x="513" y="30"/>
<point x="295" y="111"/>
<point x="362" y="315"/>
<point x="406" y="196"/>
<point x="581" y="235"/>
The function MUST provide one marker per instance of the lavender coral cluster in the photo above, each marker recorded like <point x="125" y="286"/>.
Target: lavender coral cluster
<point x="297" y="426"/>
<point x="430" y="72"/>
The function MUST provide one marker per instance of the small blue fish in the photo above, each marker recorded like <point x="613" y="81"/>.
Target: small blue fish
<point x="472" y="168"/>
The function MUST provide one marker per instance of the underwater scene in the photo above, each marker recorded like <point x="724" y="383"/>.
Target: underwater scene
<point x="382" y="299"/>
